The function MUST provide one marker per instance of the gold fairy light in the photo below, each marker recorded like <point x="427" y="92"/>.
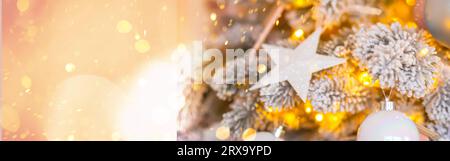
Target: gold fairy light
<point x="365" y="78"/>
<point x="249" y="134"/>
<point x="222" y="133"/>
<point x="308" y="107"/>
<point x="213" y="16"/>
<point x="447" y="23"/>
<point x="290" y="119"/>
<point x="319" y="117"/>
<point x="411" y="2"/>
<point x="411" y="24"/>
<point x="299" y="33"/>
<point x="302" y="3"/>
<point x="222" y="6"/>
<point x="423" y="52"/>
<point x="262" y="68"/>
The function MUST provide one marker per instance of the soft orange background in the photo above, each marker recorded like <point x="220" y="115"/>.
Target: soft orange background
<point x="66" y="64"/>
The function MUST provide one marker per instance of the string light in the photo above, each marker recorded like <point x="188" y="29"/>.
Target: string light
<point x="411" y="24"/>
<point x="290" y="118"/>
<point x="213" y="17"/>
<point x="308" y="107"/>
<point x="319" y="117"/>
<point x="299" y="33"/>
<point x="411" y="2"/>
<point x="423" y="52"/>
<point x="365" y="78"/>
<point x="262" y="68"/>
<point x="302" y="3"/>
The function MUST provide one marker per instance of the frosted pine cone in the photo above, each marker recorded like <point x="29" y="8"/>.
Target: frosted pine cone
<point x="442" y="129"/>
<point x="331" y="12"/>
<point x="398" y="58"/>
<point x="340" y="44"/>
<point x="437" y="104"/>
<point x="279" y="95"/>
<point x="337" y="95"/>
<point x="242" y="116"/>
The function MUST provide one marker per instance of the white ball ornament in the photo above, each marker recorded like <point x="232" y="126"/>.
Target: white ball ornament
<point x="388" y="125"/>
<point x="265" y="136"/>
<point x="433" y="15"/>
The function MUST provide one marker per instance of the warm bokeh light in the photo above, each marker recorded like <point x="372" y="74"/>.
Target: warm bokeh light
<point x="365" y="78"/>
<point x="150" y="109"/>
<point x="308" y="107"/>
<point x="222" y="133"/>
<point x="249" y="134"/>
<point x="124" y="26"/>
<point x="298" y="34"/>
<point x="319" y="117"/>
<point x="93" y="70"/>
<point x="302" y="3"/>
<point x="262" y="68"/>
<point x="213" y="17"/>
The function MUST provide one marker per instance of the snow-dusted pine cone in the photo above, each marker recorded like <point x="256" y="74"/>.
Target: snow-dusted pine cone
<point x="280" y="95"/>
<point x="437" y="104"/>
<point x="331" y="12"/>
<point x="340" y="44"/>
<point x="442" y="129"/>
<point x="337" y="95"/>
<point x="230" y="87"/>
<point x="399" y="58"/>
<point x="242" y="116"/>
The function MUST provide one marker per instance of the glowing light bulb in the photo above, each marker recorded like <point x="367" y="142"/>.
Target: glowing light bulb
<point x="365" y="78"/>
<point x="308" y="107"/>
<point x="423" y="52"/>
<point x="262" y="68"/>
<point x="319" y="117"/>
<point x="299" y="33"/>
<point x="213" y="17"/>
<point x="411" y="24"/>
<point x="290" y="118"/>
<point x="302" y="3"/>
<point x="411" y="2"/>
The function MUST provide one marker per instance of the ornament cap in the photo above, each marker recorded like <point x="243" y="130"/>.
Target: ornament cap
<point x="388" y="105"/>
<point x="279" y="131"/>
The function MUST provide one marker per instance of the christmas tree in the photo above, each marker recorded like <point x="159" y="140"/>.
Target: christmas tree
<point x="388" y="51"/>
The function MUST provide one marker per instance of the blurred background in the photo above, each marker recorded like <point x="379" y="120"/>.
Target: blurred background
<point x="93" y="70"/>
